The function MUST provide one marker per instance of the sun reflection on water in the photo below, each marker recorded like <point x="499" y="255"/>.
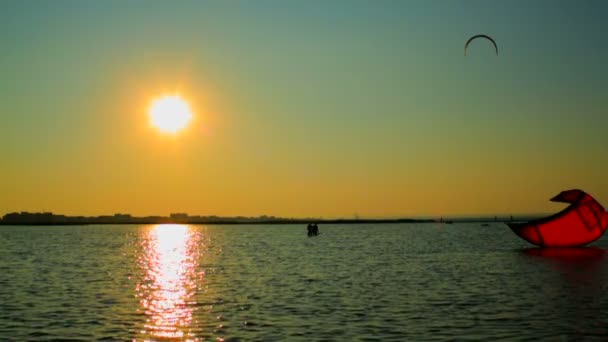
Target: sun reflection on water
<point x="166" y="294"/>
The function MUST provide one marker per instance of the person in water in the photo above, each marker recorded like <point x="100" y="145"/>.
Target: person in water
<point x="313" y="229"/>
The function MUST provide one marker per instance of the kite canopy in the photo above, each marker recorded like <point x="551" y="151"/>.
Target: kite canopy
<point x="583" y="222"/>
<point x="480" y="36"/>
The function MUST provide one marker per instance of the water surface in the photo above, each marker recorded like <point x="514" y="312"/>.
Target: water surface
<point x="383" y="282"/>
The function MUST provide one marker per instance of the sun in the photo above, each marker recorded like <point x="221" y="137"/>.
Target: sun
<point x="170" y="114"/>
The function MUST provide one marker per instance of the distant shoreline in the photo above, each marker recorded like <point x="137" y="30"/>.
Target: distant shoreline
<point x="219" y="222"/>
<point x="49" y="219"/>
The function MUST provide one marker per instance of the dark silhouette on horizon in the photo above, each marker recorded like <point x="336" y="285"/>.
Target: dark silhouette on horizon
<point x="313" y="229"/>
<point x="48" y="218"/>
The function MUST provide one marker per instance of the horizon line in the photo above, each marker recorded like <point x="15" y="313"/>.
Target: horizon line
<point x="182" y="215"/>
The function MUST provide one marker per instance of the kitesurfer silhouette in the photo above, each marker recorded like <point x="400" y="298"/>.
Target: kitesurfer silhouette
<point x="313" y="229"/>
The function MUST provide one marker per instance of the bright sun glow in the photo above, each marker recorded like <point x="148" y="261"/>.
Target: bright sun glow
<point x="170" y="114"/>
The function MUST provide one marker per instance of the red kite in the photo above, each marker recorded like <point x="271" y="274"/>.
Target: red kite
<point x="583" y="222"/>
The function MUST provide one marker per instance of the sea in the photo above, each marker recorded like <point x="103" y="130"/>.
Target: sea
<point x="355" y="282"/>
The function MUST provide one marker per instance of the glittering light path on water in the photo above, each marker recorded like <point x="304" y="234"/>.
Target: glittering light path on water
<point x="167" y="292"/>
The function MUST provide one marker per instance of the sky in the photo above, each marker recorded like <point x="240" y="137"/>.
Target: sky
<point x="303" y="108"/>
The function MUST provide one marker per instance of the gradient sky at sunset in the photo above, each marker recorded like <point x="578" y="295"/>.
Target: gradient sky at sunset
<point x="308" y="108"/>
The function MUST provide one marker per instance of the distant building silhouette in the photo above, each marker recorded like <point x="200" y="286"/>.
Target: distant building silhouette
<point x="48" y="218"/>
